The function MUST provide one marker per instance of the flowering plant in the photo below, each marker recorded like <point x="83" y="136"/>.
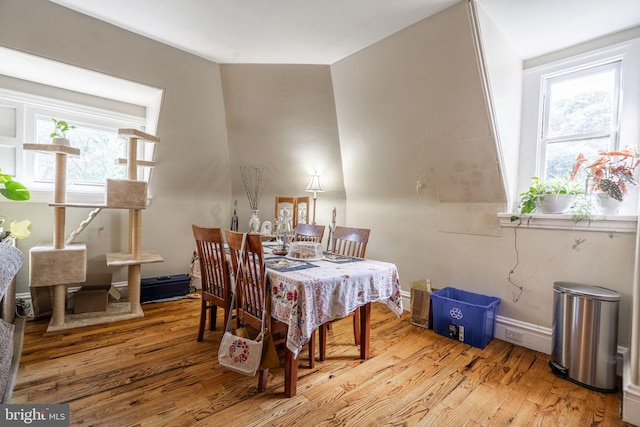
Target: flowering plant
<point x="610" y="173"/>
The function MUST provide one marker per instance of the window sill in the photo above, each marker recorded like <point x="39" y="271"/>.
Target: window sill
<point x="608" y="224"/>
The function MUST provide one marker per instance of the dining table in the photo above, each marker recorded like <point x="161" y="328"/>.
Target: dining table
<point x="308" y="293"/>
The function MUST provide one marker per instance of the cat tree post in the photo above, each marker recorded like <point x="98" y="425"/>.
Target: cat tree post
<point x="59" y="292"/>
<point x="57" y="265"/>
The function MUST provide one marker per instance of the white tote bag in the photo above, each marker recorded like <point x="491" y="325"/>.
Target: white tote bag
<point x="237" y="353"/>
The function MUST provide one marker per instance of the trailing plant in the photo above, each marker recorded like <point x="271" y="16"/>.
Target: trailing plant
<point x="540" y="188"/>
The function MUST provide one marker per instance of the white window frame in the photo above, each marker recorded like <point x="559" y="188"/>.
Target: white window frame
<point x="29" y="107"/>
<point x="614" y="64"/>
<point x="15" y="141"/>
<point x="629" y="128"/>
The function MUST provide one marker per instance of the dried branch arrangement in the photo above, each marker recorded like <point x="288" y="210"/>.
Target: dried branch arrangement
<point x="255" y="179"/>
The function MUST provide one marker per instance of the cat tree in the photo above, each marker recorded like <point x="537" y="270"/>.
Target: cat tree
<point x="63" y="263"/>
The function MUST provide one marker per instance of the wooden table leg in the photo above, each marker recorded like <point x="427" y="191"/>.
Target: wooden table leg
<point x="290" y="373"/>
<point x="365" y="330"/>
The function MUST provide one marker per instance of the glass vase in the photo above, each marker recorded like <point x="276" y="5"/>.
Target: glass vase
<point x="254" y="222"/>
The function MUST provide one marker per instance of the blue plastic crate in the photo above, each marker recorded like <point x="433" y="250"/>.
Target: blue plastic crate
<point x="163" y="287"/>
<point x="464" y="315"/>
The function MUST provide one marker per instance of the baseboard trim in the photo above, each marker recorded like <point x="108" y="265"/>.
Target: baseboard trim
<point x="534" y="337"/>
<point x="630" y="394"/>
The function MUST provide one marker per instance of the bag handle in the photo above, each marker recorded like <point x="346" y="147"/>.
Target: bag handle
<point x="234" y="286"/>
<point x="234" y="289"/>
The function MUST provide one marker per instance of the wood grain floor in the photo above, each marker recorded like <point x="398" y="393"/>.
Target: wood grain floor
<point x="152" y="372"/>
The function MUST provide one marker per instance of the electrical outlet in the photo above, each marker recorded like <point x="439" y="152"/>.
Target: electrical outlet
<point x="461" y="333"/>
<point x="513" y="335"/>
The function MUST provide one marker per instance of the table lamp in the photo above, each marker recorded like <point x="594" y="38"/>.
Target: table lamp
<point x="316" y="187"/>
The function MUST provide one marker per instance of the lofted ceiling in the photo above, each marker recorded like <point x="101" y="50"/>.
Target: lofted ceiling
<point x="325" y="31"/>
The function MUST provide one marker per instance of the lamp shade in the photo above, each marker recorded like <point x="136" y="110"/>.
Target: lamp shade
<point x="314" y="185"/>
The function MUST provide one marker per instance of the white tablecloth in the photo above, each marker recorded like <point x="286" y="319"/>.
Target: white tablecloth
<point x="308" y="297"/>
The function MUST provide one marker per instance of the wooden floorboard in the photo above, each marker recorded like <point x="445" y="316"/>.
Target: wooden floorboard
<point x="151" y="371"/>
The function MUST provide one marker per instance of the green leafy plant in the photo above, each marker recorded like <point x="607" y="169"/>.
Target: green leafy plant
<point x="61" y="129"/>
<point x="14" y="190"/>
<point x="540" y="188"/>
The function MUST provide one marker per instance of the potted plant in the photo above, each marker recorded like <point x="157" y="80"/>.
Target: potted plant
<point x="14" y="190"/>
<point x="553" y="195"/>
<point x="59" y="134"/>
<point x="609" y="175"/>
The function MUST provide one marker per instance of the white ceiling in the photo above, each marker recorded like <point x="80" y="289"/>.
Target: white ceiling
<point x="325" y="31"/>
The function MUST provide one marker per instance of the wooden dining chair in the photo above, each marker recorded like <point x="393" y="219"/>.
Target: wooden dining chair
<point x="301" y="210"/>
<point x="283" y="202"/>
<point x="254" y="296"/>
<point x="308" y="233"/>
<point x="214" y="274"/>
<point x="351" y="242"/>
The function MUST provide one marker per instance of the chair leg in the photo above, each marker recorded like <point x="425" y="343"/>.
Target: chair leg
<point x="322" y="342"/>
<point x="263" y="375"/>
<point x="312" y="350"/>
<point x="213" y="314"/>
<point x="356" y="326"/>
<point x="203" y="318"/>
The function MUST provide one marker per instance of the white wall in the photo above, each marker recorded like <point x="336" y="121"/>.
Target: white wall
<point x="284" y="116"/>
<point x="413" y="104"/>
<point x="191" y="183"/>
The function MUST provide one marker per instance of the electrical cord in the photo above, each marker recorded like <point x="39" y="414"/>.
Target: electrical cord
<point x="515" y="247"/>
<point x="23" y="308"/>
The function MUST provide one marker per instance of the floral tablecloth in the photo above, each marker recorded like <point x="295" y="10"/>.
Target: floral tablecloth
<point x="307" y="297"/>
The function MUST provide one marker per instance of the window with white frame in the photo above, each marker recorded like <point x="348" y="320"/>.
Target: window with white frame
<point x="580" y="114"/>
<point x="25" y="118"/>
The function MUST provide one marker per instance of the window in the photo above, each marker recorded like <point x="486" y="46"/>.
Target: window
<point x="579" y="115"/>
<point x="95" y="134"/>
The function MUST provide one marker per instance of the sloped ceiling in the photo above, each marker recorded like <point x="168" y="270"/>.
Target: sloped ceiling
<point x="325" y="31"/>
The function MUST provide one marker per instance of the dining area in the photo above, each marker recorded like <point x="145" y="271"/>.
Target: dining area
<point x="295" y="294"/>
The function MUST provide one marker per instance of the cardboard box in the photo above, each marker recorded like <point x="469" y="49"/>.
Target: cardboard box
<point x="91" y="300"/>
<point x="94" y="294"/>
<point x="420" y="304"/>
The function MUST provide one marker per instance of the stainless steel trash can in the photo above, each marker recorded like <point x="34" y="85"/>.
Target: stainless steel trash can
<point x="585" y="330"/>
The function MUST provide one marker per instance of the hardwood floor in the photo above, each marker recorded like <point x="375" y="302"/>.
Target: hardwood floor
<point x="152" y="372"/>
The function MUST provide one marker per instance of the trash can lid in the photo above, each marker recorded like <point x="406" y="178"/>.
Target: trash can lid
<point x="588" y="291"/>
